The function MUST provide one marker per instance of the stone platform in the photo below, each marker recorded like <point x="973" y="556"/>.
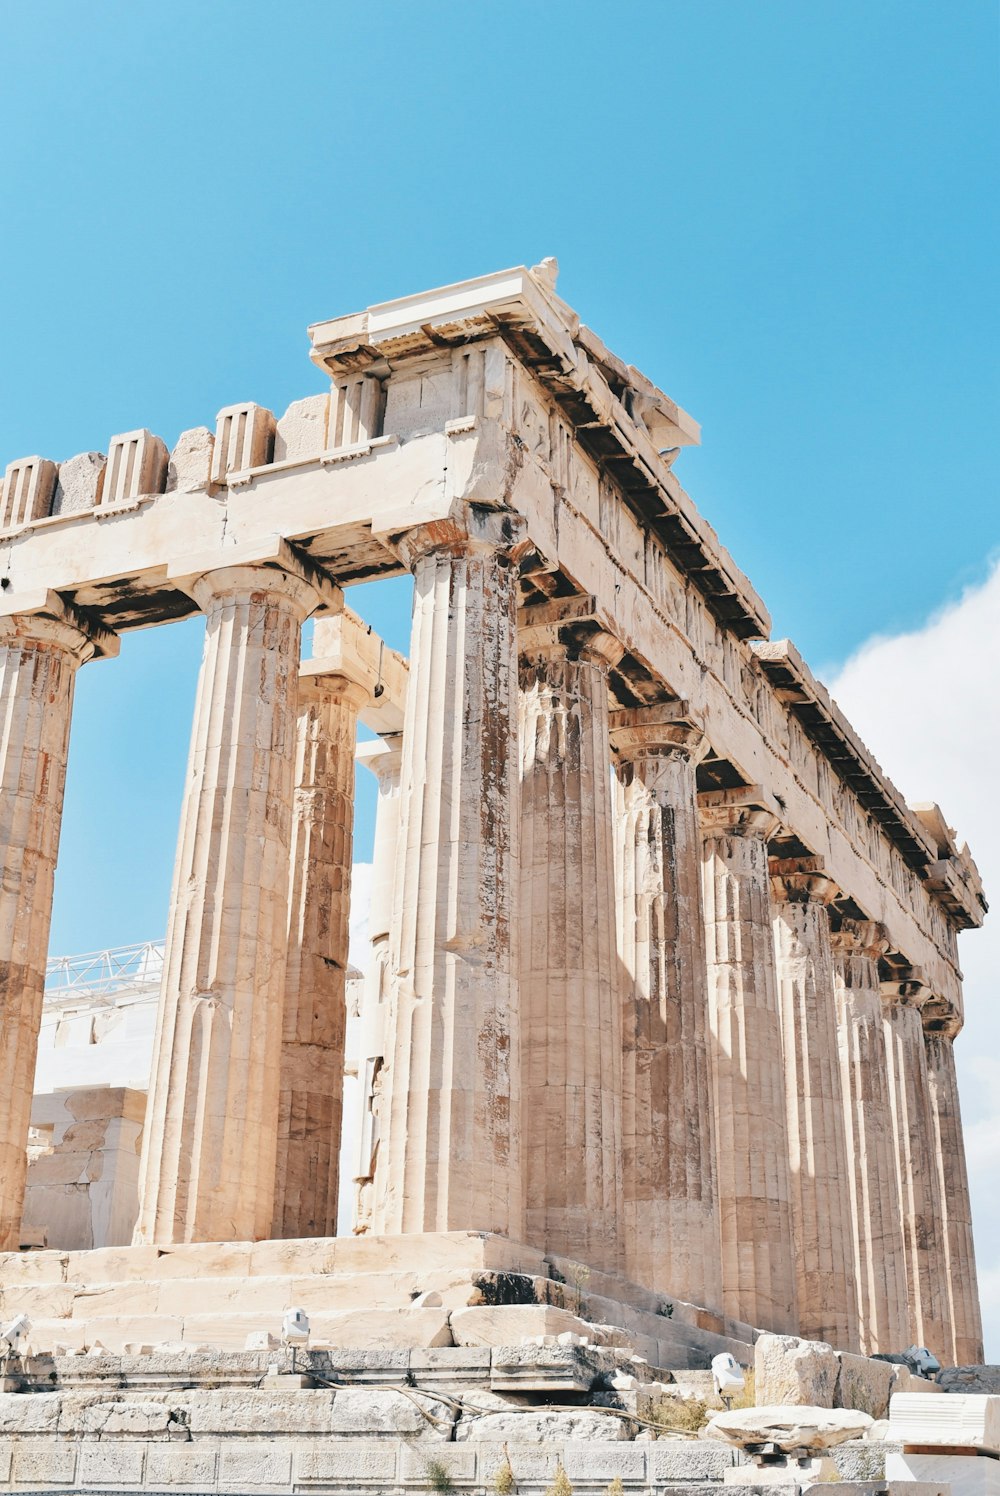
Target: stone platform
<point x="380" y="1421"/>
<point x="405" y="1292"/>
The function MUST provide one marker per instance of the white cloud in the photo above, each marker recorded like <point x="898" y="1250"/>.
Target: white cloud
<point x="927" y="703"/>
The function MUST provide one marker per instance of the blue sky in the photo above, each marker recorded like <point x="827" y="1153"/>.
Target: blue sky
<point x="785" y="213"/>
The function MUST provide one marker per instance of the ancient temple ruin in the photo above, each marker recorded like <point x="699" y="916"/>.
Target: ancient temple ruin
<point x="664" y="979"/>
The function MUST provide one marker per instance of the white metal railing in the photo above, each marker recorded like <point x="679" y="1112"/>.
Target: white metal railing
<point x="100" y="973"/>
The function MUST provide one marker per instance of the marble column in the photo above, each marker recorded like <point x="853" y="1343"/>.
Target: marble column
<point x="879" y="1254"/>
<point x="449" y="1154"/>
<point x="672" y="1241"/>
<point x="210" y="1142"/>
<point x="758" y="1262"/>
<point x="919" y="1186"/>
<point x="39" y="658"/>
<point x="814" y="1101"/>
<point x="570" y="972"/>
<point x="311" y="1091"/>
<point x="383" y="758"/>
<point x="960" y="1271"/>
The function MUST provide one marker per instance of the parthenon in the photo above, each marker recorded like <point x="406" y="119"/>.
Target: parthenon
<point x="664" y="976"/>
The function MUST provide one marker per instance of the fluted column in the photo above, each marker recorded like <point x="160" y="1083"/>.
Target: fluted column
<point x="384" y="758"/>
<point x="570" y="980"/>
<point x="670" y="1205"/>
<point x="211" y="1131"/>
<point x="310" y="1106"/>
<point x="814" y="1100"/>
<point x="916" y="1162"/>
<point x="960" y="1271"/>
<point x="758" y="1265"/>
<point x="879" y="1254"/>
<point x="449" y="1155"/>
<point x="39" y="658"/>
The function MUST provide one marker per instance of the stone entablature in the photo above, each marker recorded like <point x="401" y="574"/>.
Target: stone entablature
<point x="481" y="439"/>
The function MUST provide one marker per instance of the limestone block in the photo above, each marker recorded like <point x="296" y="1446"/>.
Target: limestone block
<point x="137" y="464"/>
<point x="458" y="1461"/>
<point x="48" y="1464"/>
<point x="266" y="1298"/>
<point x="202" y="1259"/>
<point x="382" y="1327"/>
<point x="254" y="1464"/>
<point x="702" y="1459"/>
<point x="864" y="1384"/>
<point x="113" y="1299"/>
<point x="905" y="1380"/>
<point x="116" y="1465"/>
<point x="955" y="1472"/>
<point x="788" y="1370"/>
<point x="533" y="1465"/>
<point x="79" y="484"/>
<point x="32" y="1267"/>
<point x="253" y="1410"/>
<point x="301" y="431"/>
<point x="346" y="1459"/>
<point x="381" y="1411"/>
<point x="121" y="1418"/>
<point x="181" y="1465"/>
<point x="789" y="1427"/>
<point x="244" y="438"/>
<point x="38" y="1300"/>
<point x="451" y="1363"/>
<point x="509" y="1324"/>
<point x="862" y="1460"/>
<point x="321" y="1255"/>
<point x="107" y="1265"/>
<point x="587" y="1460"/>
<point x="38" y="1414"/>
<point x="968" y="1420"/>
<point x="6" y="1459"/>
<point x="543" y="1426"/>
<point x="190" y="464"/>
<point x="544" y="1368"/>
<point x="27" y="491"/>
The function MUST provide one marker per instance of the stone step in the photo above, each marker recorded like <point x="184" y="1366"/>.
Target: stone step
<point x="379" y="1290"/>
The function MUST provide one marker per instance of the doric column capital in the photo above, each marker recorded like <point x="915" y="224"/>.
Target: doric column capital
<point x="859" y="937"/>
<point x="382" y="757"/>
<point x="574" y="628"/>
<point x="748" y="811"/>
<point x="906" y="988"/>
<point x="48" y="622"/>
<point x="273" y="567"/>
<point x="475" y="530"/>
<point x="238" y="582"/>
<point x="940" y="1018"/>
<point x="662" y="731"/>
<point x="801" y="880"/>
<point x="340" y="683"/>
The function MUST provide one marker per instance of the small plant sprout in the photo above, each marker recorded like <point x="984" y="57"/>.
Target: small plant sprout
<point x="503" y="1481"/>
<point x="561" y="1484"/>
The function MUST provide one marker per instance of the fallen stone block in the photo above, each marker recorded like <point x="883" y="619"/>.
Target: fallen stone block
<point x="790" y="1427"/>
<point x="864" y="1384"/>
<point x="793" y="1371"/>
<point x="949" y="1420"/>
